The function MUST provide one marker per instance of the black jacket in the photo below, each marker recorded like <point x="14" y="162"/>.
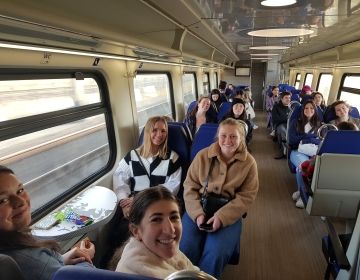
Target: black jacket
<point x="279" y="114"/>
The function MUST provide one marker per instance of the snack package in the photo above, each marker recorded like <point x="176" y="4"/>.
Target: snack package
<point x="71" y="216"/>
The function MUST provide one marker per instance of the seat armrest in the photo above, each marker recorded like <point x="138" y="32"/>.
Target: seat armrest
<point x="338" y="249"/>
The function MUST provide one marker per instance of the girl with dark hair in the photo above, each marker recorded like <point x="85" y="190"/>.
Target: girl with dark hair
<point x="319" y="100"/>
<point x="155" y="225"/>
<point x="37" y="259"/>
<point x="215" y="100"/>
<point x="238" y="112"/>
<point x="200" y="115"/>
<point x="305" y="132"/>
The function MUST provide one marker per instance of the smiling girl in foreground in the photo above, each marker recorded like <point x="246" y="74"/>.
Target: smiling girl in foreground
<point x="155" y="225"/>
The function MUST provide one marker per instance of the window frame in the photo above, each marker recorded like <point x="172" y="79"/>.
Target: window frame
<point x="171" y="88"/>
<point x="297" y="80"/>
<point x="348" y="89"/>
<point x="306" y="74"/>
<point x="25" y="125"/>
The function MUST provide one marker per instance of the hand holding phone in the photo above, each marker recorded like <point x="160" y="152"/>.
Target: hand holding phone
<point x="206" y="226"/>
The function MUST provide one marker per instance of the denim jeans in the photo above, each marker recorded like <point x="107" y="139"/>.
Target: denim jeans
<point x="210" y="251"/>
<point x="297" y="158"/>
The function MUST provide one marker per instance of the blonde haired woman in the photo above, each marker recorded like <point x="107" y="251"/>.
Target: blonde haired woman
<point x="149" y="165"/>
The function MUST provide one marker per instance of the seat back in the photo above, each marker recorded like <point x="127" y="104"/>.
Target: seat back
<point x="294" y="114"/>
<point x="73" y="272"/>
<point x="223" y="110"/>
<point x="9" y="269"/>
<point x="178" y="141"/>
<point x="203" y="138"/>
<point x="341" y="142"/>
<point x="335" y="186"/>
<point x="191" y="107"/>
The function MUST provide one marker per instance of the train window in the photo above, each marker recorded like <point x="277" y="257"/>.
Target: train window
<point x="308" y="79"/>
<point x="297" y="81"/>
<point x="324" y="85"/>
<point x="23" y="98"/>
<point x="206" y="83"/>
<point x="189" y="88"/>
<point x="350" y="90"/>
<point x="152" y="96"/>
<point x="54" y="135"/>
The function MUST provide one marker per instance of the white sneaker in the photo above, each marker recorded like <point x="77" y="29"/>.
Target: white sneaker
<point x="299" y="203"/>
<point x="296" y="195"/>
<point x="255" y="126"/>
<point x="272" y="133"/>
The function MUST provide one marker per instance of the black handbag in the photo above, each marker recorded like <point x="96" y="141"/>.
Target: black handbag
<point x="212" y="202"/>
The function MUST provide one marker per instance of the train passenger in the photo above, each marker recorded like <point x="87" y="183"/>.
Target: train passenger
<point x="226" y="174"/>
<point x="200" y="115"/>
<point x="249" y="107"/>
<point x="155" y="225"/>
<point x="341" y="109"/>
<point x="37" y="259"/>
<point x="270" y="101"/>
<point x="215" y="100"/>
<point x="237" y="112"/>
<point x="279" y="115"/>
<point x="305" y="93"/>
<point x="149" y="165"/>
<point x="222" y="89"/>
<point x="319" y="100"/>
<point x="303" y="132"/>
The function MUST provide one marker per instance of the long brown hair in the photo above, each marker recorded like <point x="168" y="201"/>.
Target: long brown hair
<point x="314" y="120"/>
<point x="194" y="111"/>
<point x="24" y="238"/>
<point x="146" y="148"/>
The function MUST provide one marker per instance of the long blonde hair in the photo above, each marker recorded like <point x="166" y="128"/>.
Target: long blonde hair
<point x="146" y="148"/>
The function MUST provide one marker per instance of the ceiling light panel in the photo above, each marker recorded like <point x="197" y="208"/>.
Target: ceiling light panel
<point x="281" y="32"/>
<point x="263" y="48"/>
<point x="263" y="54"/>
<point x="277" y="3"/>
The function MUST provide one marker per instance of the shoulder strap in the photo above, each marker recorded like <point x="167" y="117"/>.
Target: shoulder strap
<point x="207" y="178"/>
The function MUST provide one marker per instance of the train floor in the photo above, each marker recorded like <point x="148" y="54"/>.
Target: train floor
<point x="278" y="241"/>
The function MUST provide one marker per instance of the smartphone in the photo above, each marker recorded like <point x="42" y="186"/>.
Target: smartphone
<point x="206" y="226"/>
<point x="47" y="222"/>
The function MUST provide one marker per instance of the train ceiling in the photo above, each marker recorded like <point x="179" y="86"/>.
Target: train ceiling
<point x="199" y="31"/>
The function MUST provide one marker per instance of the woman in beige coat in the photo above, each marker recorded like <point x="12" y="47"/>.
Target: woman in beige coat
<point x="225" y="169"/>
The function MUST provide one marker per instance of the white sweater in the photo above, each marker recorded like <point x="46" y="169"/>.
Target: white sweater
<point x="138" y="259"/>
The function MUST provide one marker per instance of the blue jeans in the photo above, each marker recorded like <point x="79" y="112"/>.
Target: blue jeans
<point x="210" y="251"/>
<point x="297" y="159"/>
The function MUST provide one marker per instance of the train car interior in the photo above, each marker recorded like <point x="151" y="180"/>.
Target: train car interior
<point x="80" y="79"/>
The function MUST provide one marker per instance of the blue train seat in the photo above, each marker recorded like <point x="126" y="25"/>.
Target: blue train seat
<point x="203" y="138"/>
<point x="294" y="114"/>
<point x="72" y="272"/>
<point x="191" y="107"/>
<point x="223" y="110"/>
<point x="9" y="268"/>
<point x="329" y="114"/>
<point x="286" y="87"/>
<point x="295" y="97"/>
